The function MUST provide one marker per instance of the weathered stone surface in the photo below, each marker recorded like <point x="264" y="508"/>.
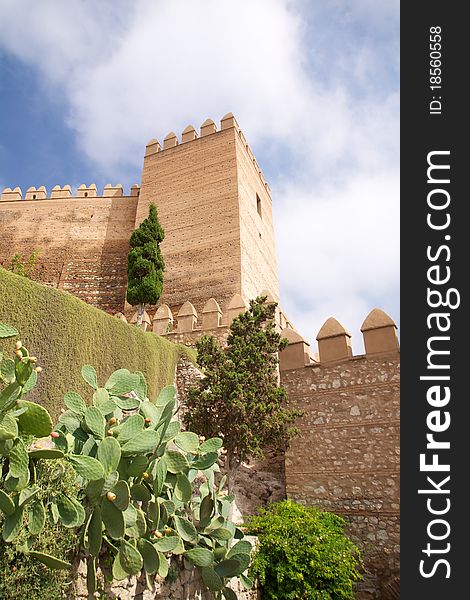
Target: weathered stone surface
<point x="180" y="585"/>
<point x="347" y="456"/>
<point x="83" y="244"/>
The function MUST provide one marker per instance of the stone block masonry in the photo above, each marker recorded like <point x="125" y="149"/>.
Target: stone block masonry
<point x="215" y="207"/>
<point x="83" y="242"/>
<point x="346" y="458"/>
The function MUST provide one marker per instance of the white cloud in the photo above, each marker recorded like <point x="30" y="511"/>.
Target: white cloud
<point x="307" y="82"/>
<point x="341" y="257"/>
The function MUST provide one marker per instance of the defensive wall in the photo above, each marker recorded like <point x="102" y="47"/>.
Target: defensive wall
<point x="347" y="456"/>
<point x="82" y="238"/>
<point x="216" y="208"/>
<point x="213" y="203"/>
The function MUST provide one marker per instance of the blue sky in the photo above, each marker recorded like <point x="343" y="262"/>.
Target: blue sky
<point x="314" y="85"/>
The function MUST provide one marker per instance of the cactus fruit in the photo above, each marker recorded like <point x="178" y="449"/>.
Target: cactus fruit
<point x="111" y="496"/>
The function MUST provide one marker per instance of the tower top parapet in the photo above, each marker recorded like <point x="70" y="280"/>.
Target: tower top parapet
<point x="189" y="134"/>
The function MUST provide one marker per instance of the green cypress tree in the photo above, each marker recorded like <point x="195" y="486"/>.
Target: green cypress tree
<point x="145" y="263"/>
<point x="240" y="399"/>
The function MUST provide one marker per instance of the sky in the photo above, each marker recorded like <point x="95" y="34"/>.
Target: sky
<point x="314" y="85"/>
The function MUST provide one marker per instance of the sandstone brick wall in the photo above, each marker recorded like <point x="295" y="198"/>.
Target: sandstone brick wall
<point x="346" y="458"/>
<point x="205" y="191"/>
<point x="194" y="186"/>
<point x="83" y="243"/>
<point x="258" y="251"/>
<point x="209" y="191"/>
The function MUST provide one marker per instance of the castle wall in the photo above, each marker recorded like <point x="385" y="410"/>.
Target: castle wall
<point x="258" y="252"/>
<point x="83" y="243"/>
<point x="194" y="186"/>
<point x="346" y="458"/>
<point x="205" y="188"/>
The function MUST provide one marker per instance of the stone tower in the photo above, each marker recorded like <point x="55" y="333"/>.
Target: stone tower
<point x="216" y="209"/>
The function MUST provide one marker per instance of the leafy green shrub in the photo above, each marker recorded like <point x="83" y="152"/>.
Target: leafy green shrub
<point x="303" y="554"/>
<point x="21" y="577"/>
<point x="145" y="490"/>
<point x="25" y="267"/>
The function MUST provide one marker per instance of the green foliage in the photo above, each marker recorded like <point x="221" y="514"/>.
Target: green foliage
<point x="135" y="497"/>
<point x="62" y="331"/>
<point x="239" y="399"/>
<point x="21" y="577"/>
<point x="25" y="267"/>
<point x="303" y="554"/>
<point x="145" y="262"/>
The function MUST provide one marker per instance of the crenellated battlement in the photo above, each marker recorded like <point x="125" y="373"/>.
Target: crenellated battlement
<point x="65" y="192"/>
<point x="190" y="134"/>
<point x="186" y="326"/>
<point x="334" y="342"/>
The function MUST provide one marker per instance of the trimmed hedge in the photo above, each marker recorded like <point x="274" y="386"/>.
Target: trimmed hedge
<point x="65" y="333"/>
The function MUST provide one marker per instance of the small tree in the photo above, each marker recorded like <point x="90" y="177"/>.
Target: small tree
<point x="239" y="398"/>
<point x="25" y="266"/>
<point x="145" y="263"/>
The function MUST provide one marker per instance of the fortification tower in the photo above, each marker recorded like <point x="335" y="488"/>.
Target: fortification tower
<point x="216" y="209"/>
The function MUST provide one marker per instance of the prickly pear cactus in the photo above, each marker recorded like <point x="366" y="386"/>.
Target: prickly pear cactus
<point x="146" y="489"/>
<point x="25" y="429"/>
<point x="153" y="494"/>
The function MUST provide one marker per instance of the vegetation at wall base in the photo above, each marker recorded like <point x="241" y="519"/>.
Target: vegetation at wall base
<point x="145" y="263"/>
<point x="240" y="399"/>
<point x="22" y="578"/>
<point x="65" y="333"/>
<point x="303" y="554"/>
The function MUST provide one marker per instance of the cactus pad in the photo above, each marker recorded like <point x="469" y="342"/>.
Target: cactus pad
<point x="36" y="420"/>
<point x="6" y="504"/>
<point x="50" y="561"/>
<point x="109" y="454"/>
